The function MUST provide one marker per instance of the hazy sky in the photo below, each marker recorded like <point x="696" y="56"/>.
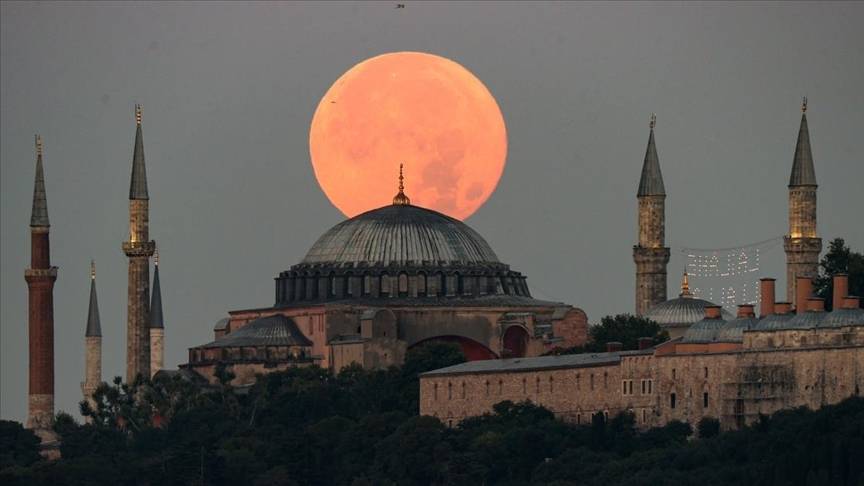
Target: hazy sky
<point x="229" y="91"/>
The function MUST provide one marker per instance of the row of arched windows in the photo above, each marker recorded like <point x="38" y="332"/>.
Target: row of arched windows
<point x="293" y="287"/>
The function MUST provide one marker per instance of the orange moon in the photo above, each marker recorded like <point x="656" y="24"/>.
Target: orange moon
<point x="423" y="110"/>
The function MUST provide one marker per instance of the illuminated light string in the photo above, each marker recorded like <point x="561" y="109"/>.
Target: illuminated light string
<point x="728" y="276"/>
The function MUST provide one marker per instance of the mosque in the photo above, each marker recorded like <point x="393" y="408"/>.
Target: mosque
<point x="398" y="276"/>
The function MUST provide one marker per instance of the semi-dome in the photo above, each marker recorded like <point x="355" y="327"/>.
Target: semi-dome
<point x="400" y="235"/>
<point x="402" y="253"/>
<point x="678" y="314"/>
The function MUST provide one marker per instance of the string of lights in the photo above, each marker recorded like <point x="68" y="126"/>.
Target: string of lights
<point x="728" y="276"/>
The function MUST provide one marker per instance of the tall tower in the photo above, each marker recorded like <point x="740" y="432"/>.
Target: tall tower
<point x="40" y="279"/>
<point x="138" y="249"/>
<point x="93" y="343"/>
<point x="157" y="328"/>
<point x="650" y="254"/>
<point x="802" y="244"/>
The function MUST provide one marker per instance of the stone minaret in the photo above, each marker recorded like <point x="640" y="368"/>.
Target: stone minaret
<point x="138" y="249"/>
<point x="93" y="343"/>
<point x="157" y="328"/>
<point x="40" y="279"/>
<point x="802" y="244"/>
<point x="650" y="254"/>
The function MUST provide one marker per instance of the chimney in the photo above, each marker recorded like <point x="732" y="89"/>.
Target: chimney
<point x="816" y="304"/>
<point x="782" y="308"/>
<point x="712" y="312"/>
<point x="613" y="346"/>
<point x="766" y="288"/>
<point x="841" y="288"/>
<point x="745" y="311"/>
<point x="645" y="342"/>
<point x="851" y="302"/>
<point x="805" y="288"/>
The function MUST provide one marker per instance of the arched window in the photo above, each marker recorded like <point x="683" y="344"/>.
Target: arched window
<point x="672" y="400"/>
<point x="705" y="400"/>
<point x="385" y="284"/>
<point x="367" y="284"/>
<point x="421" y="284"/>
<point x="577" y="381"/>
<point x="331" y="291"/>
<point x="592" y="381"/>
<point x="449" y="391"/>
<point x="487" y="388"/>
<point x="538" y="385"/>
<point x="524" y="386"/>
<point x="605" y="379"/>
<point x="435" y="392"/>
<point x="403" y="283"/>
<point x="551" y="385"/>
<point x="463" y="389"/>
<point x="500" y="387"/>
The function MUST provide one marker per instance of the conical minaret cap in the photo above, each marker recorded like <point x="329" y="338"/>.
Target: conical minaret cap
<point x="138" y="182"/>
<point x="803" y="173"/>
<point x="651" y="182"/>
<point x="156" y="298"/>
<point x="39" y="214"/>
<point x="94" y="327"/>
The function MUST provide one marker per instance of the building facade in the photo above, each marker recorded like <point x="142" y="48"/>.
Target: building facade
<point x="377" y="284"/>
<point x="732" y="370"/>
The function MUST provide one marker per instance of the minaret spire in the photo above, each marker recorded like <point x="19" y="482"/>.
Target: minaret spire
<point x="400" y="199"/>
<point x="651" y="254"/>
<point x="802" y="244"/>
<point x="138" y="183"/>
<point x="139" y="248"/>
<point x="157" y="327"/>
<point x="651" y="182"/>
<point x="39" y="214"/>
<point x="40" y="277"/>
<point x="94" y="326"/>
<point x="92" y="343"/>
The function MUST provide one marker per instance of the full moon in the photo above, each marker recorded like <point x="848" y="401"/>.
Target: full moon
<point x="422" y="110"/>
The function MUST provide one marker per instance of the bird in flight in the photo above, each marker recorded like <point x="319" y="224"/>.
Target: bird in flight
<point x="400" y="5"/>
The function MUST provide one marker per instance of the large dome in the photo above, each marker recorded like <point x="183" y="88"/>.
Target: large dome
<point x="404" y="254"/>
<point x="401" y="235"/>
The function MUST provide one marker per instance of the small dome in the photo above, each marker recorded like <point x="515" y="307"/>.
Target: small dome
<point x="680" y="312"/>
<point x="704" y="331"/>
<point x="402" y="235"/>
<point x="733" y="331"/>
<point x="774" y="321"/>
<point x="843" y="317"/>
<point x="276" y="330"/>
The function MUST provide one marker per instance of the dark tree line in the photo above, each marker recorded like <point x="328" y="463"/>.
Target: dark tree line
<point x="307" y="426"/>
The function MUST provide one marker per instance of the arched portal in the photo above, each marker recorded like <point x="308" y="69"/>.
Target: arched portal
<point x="472" y="350"/>
<point x="515" y="342"/>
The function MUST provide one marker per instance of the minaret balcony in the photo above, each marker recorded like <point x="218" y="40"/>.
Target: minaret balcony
<point x="139" y="248"/>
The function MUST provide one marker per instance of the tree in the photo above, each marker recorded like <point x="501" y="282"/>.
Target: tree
<point x="839" y="259"/>
<point x="18" y="446"/>
<point x="623" y="328"/>
<point x="708" y="427"/>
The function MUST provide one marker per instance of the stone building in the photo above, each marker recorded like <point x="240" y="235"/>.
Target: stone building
<point x="733" y="370"/>
<point x="381" y="282"/>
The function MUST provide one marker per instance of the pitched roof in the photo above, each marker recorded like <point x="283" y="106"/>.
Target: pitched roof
<point x="39" y="214"/>
<point x="138" y="183"/>
<point x="582" y="360"/>
<point x="803" y="173"/>
<point x="651" y="182"/>
<point x="156" y="301"/>
<point x="94" y="328"/>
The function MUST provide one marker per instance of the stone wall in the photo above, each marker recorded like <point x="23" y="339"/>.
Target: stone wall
<point x="732" y="384"/>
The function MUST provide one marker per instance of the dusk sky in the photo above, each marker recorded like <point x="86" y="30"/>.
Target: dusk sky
<point x="228" y="93"/>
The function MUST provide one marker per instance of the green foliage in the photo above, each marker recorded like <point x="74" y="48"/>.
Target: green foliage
<point x="708" y="427"/>
<point x="839" y="259"/>
<point x="18" y="446"/>
<point x="623" y="328"/>
<point x="308" y="426"/>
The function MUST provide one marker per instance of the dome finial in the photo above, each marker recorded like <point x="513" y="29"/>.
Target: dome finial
<point x="401" y="199"/>
<point x="804" y="105"/>
<point x="685" y="286"/>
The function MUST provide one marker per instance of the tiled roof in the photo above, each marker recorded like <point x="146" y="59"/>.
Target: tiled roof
<point x="276" y="330"/>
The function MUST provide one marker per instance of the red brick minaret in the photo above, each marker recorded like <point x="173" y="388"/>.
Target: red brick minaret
<point x="40" y="279"/>
<point x="138" y="249"/>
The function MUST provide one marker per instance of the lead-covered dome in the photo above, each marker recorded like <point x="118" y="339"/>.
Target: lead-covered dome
<point x="405" y="254"/>
<point x="678" y="314"/>
<point x="401" y="235"/>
